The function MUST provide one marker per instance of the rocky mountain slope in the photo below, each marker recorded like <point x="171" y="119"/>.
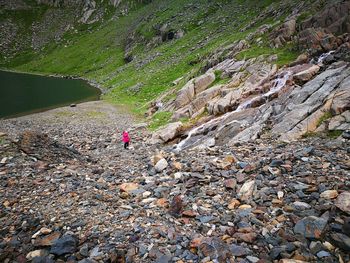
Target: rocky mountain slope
<point x="308" y="95"/>
<point x="73" y="195"/>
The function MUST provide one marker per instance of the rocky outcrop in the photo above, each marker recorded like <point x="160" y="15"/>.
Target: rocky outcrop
<point x="307" y="74"/>
<point x="193" y="88"/>
<point x="335" y="19"/>
<point x="317" y="40"/>
<point x="248" y="79"/>
<point x="283" y="34"/>
<point x="279" y="104"/>
<point x="340" y="122"/>
<point x="322" y="32"/>
<point x="258" y="97"/>
<point x="305" y="104"/>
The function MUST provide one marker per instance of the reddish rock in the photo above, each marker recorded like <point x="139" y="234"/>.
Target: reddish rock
<point x="47" y="240"/>
<point x="230" y="183"/>
<point x="343" y="202"/>
<point x="189" y="213"/>
<point x="176" y="206"/>
<point x="246" y="237"/>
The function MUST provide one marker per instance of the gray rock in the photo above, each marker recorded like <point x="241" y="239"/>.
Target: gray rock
<point x="64" y="245"/>
<point x="340" y="240"/>
<point x="311" y="227"/>
<point x="323" y="254"/>
<point x="161" y="165"/>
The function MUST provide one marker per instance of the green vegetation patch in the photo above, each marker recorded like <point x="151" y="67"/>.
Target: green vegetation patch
<point x="334" y="134"/>
<point x="285" y="55"/>
<point x="327" y="115"/>
<point x="160" y="119"/>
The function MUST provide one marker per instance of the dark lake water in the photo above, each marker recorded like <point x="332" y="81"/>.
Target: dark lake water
<point x="22" y="94"/>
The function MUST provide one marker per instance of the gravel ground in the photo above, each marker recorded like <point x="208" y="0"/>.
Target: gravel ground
<point x="70" y="193"/>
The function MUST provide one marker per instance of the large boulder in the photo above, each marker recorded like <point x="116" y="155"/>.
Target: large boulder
<point x="203" y="82"/>
<point x="167" y="133"/>
<point x="306" y="75"/>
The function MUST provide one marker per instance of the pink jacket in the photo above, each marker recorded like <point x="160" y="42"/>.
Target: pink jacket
<point x="126" y="137"/>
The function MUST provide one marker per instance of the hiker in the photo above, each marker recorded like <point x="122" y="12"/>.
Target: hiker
<point x="126" y="139"/>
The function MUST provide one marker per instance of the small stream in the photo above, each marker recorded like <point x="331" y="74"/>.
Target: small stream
<point x="22" y="94"/>
<point x="276" y="86"/>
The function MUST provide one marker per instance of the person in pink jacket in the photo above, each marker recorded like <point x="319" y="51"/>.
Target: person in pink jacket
<point x="126" y="139"/>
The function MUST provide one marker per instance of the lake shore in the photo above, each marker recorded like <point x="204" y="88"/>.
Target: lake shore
<point x="32" y="93"/>
<point x="91" y="82"/>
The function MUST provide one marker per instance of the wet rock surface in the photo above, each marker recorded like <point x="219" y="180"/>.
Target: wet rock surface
<point x="83" y="198"/>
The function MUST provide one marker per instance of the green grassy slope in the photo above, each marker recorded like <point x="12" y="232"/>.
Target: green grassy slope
<point x="97" y="51"/>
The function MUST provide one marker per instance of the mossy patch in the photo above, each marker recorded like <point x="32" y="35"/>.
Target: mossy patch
<point x="334" y="134"/>
<point x="309" y="134"/>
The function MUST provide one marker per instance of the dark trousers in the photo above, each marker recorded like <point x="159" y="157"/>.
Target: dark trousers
<point x="126" y="145"/>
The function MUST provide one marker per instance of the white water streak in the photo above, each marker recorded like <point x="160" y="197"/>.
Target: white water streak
<point x="277" y="85"/>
